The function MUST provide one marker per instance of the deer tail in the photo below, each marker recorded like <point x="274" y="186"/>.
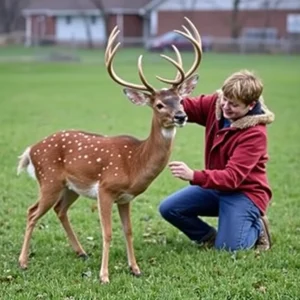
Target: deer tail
<point x="24" y="161"/>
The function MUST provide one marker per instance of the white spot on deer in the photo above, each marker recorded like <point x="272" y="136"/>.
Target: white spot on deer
<point x="111" y="163"/>
<point x="168" y="133"/>
<point x="64" y="146"/>
<point x="119" y="155"/>
<point x="96" y="149"/>
<point x="117" y="168"/>
<point x="99" y="174"/>
<point x="69" y="142"/>
<point x="44" y="141"/>
<point x="71" y="150"/>
<point x="79" y="144"/>
<point x="67" y="134"/>
<point x="52" y="140"/>
<point x="89" y="162"/>
<point x="125" y="146"/>
<point x="129" y="156"/>
<point x="51" y="180"/>
<point x="63" y="139"/>
<point x="98" y="142"/>
<point x="55" y="145"/>
<point x="116" y="174"/>
<point x="59" y="159"/>
<point x="45" y="150"/>
<point x="98" y="159"/>
<point x="80" y="148"/>
<point x="112" y="154"/>
<point x="86" y="156"/>
<point x="85" y="146"/>
<point x="92" y="146"/>
<point x="102" y="150"/>
<point x="107" y="151"/>
<point x="79" y="156"/>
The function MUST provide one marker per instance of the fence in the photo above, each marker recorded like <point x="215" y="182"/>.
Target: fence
<point x="217" y="44"/>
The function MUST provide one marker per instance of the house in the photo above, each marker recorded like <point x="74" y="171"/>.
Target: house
<point x="217" y="18"/>
<point x="66" y="21"/>
<point x="78" y="21"/>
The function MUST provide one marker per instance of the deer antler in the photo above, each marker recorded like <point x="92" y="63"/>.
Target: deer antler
<point x="110" y="54"/>
<point x="196" y="42"/>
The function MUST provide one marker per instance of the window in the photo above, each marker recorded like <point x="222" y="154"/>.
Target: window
<point x="68" y="19"/>
<point x="93" y="20"/>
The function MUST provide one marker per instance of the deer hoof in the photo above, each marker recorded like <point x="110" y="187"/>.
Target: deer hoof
<point x="22" y="265"/>
<point x="135" y="272"/>
<point x="104" y="279"/>
<point x="83" y="256"/>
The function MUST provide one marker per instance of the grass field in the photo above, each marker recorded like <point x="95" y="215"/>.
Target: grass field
<point x="37" y="99"/>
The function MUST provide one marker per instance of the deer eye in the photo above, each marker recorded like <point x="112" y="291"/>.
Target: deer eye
<point x="159" y="106"/>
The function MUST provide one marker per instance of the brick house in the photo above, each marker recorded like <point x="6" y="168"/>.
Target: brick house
<point x="66" y="20"/>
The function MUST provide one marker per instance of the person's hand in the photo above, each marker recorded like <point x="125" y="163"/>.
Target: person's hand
<point x="180" y="170"/>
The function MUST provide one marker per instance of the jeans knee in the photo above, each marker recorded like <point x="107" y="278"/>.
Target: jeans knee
<point x="164" y="210"/>
<point x="227" y="244"/>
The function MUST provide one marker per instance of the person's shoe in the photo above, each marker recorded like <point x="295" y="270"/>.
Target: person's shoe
<point x="209" y="241"/>
<point x="264" y="240"/>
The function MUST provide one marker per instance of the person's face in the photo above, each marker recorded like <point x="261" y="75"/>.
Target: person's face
<point x="234" y="109"/>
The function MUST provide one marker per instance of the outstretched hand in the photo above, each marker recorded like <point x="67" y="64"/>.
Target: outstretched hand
<point x="181" y="170"/>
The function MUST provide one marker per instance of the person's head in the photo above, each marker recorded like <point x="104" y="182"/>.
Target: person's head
<point x="241" y="91"/>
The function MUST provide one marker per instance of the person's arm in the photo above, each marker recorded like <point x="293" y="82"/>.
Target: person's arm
<point x="197" y="108"/>
<point x="246" y="155"/>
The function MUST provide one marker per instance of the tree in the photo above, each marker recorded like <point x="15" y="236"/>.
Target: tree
<point x="105" y="15"/>
<point x="10" y="13"/>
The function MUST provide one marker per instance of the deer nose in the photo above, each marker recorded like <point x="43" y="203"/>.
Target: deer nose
<point x="180" y="118"/>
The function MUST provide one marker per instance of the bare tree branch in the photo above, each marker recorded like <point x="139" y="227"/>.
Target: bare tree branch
<point x="10" y="12"/>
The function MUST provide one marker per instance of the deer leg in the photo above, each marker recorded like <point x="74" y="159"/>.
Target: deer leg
<point x="124" y="212"/>
<point x="105" y="203"/>
<point x="47" y="199"/>
<point x="61" y="210"/>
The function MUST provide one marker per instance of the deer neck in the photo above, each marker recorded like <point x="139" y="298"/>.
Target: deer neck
<point x="154" y="152"/>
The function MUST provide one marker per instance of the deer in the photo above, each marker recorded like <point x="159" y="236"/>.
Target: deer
<point x="110" y="169"/>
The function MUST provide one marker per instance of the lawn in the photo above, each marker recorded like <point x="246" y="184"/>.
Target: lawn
<point x="37" y="99"/>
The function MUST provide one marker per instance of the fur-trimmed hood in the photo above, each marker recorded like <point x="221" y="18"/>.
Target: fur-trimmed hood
<point x="266" y="117"/>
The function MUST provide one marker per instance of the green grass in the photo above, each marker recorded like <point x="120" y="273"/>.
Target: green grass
<point x="38" y="99"/>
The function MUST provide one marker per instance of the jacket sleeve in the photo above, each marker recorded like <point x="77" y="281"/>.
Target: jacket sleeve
<point x="198" y="108"/>
<point x="249" y="150"/>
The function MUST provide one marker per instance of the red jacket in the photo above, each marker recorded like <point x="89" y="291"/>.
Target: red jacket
<point x="235" y="157"/>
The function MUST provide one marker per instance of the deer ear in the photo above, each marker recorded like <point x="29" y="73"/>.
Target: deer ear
<point x="187" y="87"/>
<point x="137" y="97"/>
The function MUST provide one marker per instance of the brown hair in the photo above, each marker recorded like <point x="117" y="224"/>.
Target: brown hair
<point x="243" y="86"/>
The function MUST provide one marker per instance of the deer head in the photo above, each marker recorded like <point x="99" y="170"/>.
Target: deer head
<point x="166" y="103"/>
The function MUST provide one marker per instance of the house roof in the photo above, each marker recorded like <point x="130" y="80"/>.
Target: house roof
<point x="73" y="5"/>
<point x="54" y="7"/>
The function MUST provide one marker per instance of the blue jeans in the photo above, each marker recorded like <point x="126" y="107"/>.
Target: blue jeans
<point x="239" y="219"/>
